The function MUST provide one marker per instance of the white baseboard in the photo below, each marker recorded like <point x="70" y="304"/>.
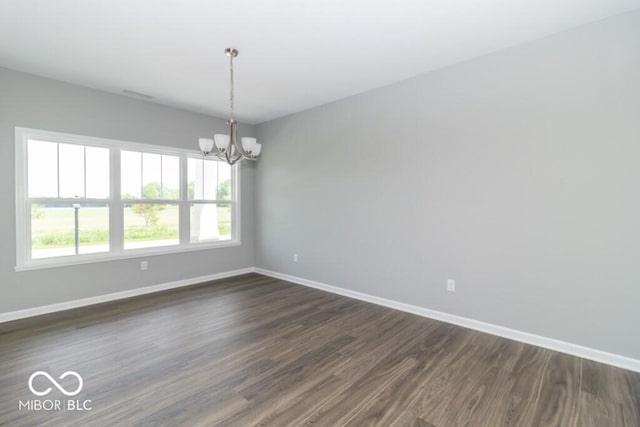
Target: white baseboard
<point x="537" y="340"/>
<point x="46" y="309"/>
<point x="513" y="334"/>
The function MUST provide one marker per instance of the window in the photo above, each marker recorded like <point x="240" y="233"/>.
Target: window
<point x="83" y="199"/>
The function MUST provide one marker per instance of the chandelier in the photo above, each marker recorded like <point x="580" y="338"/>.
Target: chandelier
<point x="225" y="147"/>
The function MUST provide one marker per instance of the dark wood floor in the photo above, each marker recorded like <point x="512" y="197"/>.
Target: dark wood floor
<point x="259" y="351"/>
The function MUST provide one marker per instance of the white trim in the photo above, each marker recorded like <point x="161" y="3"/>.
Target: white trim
<point x="236" y="223"/>
<point x="52" y="308"/>
<point x="48" y="135"/>
<point x="125" y="254"/>
<point x="501" y="331"/>
<point x="23" y="225"/>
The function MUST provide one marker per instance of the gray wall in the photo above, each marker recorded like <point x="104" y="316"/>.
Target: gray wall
<point x="39" y="103"/>
<point x="516" y="174"/>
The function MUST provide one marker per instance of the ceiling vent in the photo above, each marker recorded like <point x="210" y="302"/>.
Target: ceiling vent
<point x="137" y="94"/>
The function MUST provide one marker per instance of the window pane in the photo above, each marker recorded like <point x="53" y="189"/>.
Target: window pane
<point x="151" y="176"/>
<point x="93" y="228"/>
<point x="210" y="222"/>
<point x="42" y="159"/>
<point x="150" y="224"/>
<point x="224" y="191"/>
<point x="194" y="178"/>
<point x="170" y="177"/>
<point x="71" y="170"/>
<point x="131" y="174"/>
<point x="53" y="229"/>
<point x="210" y="179"/>
<point x="97" y="179"/>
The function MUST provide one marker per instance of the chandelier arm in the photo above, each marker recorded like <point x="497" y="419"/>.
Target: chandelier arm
<point x="231" y="158"/>
<point x="233" y="132"/>
<point x="231" y="154"/>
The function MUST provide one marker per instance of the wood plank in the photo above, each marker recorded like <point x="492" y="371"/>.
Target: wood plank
<point x="254" y="350"/>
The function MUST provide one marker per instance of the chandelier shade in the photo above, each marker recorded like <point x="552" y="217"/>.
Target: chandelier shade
<point x="225" y="146"/>
<point x="222" y="141"/>
<point x="248" y="144"/>
<point x="206" y="145"/>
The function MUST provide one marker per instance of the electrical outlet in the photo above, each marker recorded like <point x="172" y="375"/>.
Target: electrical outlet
<point x="295" y="257"/>
<point x="144" y="265"/>
<point x="451" y="285"/>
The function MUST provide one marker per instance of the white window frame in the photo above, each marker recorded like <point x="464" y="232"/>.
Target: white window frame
<point x="116" y="227"/>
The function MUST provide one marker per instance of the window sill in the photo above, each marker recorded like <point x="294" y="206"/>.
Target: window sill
<point x="128" y="254"/>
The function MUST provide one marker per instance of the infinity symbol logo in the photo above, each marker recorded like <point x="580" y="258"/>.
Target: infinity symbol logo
<point x="55" y="383"/>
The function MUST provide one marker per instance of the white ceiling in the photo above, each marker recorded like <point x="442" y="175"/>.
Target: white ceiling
<point x="294" y="54"/>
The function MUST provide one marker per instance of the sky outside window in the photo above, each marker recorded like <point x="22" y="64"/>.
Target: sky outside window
<point x="67" y="170"/>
